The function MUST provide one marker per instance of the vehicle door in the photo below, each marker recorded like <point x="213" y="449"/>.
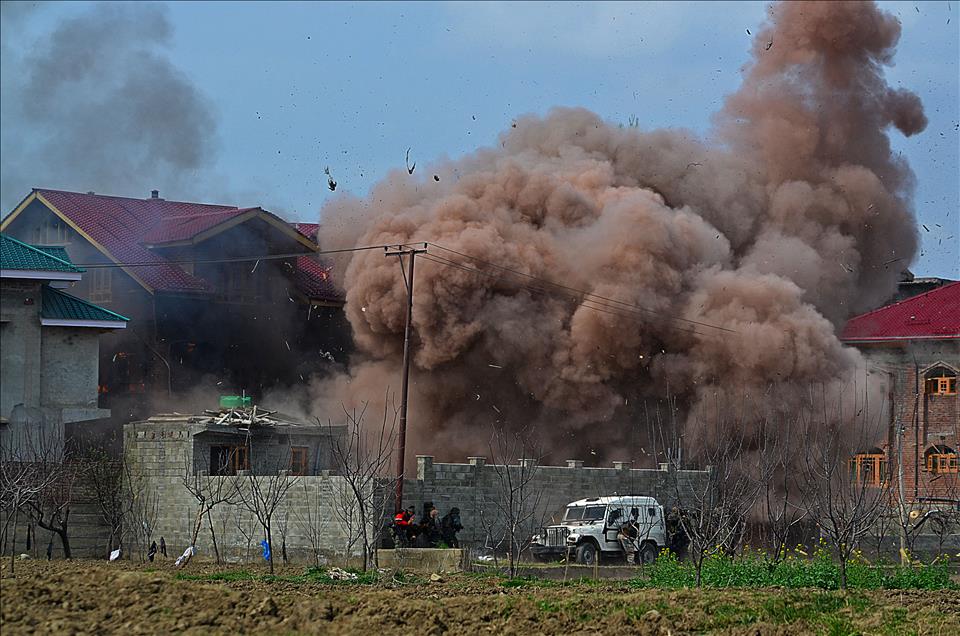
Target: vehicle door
<point x="612" y="522"/>
<point x="649" y="521"/>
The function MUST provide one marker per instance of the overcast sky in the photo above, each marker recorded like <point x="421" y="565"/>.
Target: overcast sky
<point x="294" y="88"/>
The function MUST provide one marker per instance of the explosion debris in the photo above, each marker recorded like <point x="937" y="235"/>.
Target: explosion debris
<point x="798" y="159"/>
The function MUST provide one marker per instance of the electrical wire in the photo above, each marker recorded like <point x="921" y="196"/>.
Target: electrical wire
<point x="243" y="259"/>
<point x="587" y="295"/>
<point x="595" y="306"/>
<point x="584" y="298"/>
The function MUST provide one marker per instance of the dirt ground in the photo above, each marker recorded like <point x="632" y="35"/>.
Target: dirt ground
<point x="80" y="597"/>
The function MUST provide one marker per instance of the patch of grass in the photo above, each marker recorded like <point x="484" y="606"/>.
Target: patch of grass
<point x="725" y="615"/>
<point x="549" y="607"/>
<point x="820" y="571"/>
<point x="517" y="582"/>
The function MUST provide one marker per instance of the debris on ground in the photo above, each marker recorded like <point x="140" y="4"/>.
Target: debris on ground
<point x="341" y="575"/>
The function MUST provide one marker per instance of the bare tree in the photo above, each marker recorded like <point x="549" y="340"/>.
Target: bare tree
<point x="844" y="505"/>
<point x="713" y="509"/>
<point x="361" y="458"/>
<point x="516" y="502"/>
<point x="780" y="508"/>
<point x="144" y="504"/>
<point x="209" y="492"/>
<point x="311" y="515"/>
<point x="264" y="490"/>
<point x="105" y="477"/>
<point x="31" y="469"/>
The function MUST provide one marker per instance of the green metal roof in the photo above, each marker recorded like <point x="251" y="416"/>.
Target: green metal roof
<point x="58" y="305"/>
<point x="55" y="251"/>
<point x="16" y="255"/>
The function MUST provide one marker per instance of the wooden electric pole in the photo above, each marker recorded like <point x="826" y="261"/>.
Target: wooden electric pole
<point x="401" y="251"/>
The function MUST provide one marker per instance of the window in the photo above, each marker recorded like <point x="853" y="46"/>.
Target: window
<point x="298" y="460"/>
<point x="940" y="380"/>
<point x="101" y="284"/>
<point x="51" y="232"/>
<point x="941" y="459"/>
<point x="227" y="460"/>
<point x="869" y="468"/>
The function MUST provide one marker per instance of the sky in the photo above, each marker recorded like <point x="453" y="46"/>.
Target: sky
<point x="285" y="90"/>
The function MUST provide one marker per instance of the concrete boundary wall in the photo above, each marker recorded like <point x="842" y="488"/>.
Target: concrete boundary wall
<point x="476" y="487"/>
<point x="315" y="518"/>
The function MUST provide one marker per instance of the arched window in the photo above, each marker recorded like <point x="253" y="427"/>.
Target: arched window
<point x="940" y="380"/>
<point x="941" y="459"/>
<point x="869" y="467"/>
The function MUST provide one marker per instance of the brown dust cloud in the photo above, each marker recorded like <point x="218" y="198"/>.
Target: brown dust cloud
<point x="578" y="269"/>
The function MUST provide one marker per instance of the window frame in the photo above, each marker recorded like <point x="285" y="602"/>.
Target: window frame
<point x="238" y="458"/>
<point x="101" y="285"/>
<point x="940" y="384"/>
<point x="869" y="469"/>
<point x="300" y="461"/>
<point x="942" y="463"/>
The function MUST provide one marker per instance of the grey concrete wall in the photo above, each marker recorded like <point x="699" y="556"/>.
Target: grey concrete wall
<point x="314" y="519"/>
<point x="87" y="531"/>
<point x="476" y="487"/>
<point x="315" y="515"/>
<point x="70" y="362"/>
<point x="19" y="345"/>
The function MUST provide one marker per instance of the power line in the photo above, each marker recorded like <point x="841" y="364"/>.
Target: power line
<point x="597" y="301"/>
<point x="581" y="292"/>
<point x="596" y="306"/>
<point x="242" y="259"/>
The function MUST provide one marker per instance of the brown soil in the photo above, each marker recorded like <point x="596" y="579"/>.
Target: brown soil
<point x="96" y="597"/>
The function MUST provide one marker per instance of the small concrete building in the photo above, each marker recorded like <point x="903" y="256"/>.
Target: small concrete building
<point x="49" y="346"/>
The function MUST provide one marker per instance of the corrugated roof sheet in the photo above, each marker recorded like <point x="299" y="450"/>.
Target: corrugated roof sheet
<point x="313" y="279"/>
<point x="58" y="305"/>
<point x="16" y="254"/>
<point x="119" y="225"/>
<point x="179" y="228"/>
<point x="932" y="315"/>
<point x="126" y="228"/>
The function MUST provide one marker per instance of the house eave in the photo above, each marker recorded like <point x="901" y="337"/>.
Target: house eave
<point x="34" y="274"/>
<point x="895" y="339"/>
<point x="93" y="324"/>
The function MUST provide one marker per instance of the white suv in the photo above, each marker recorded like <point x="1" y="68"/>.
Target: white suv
<point x="589" y="529"/>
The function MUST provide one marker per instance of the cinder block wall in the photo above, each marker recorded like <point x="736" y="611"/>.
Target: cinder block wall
<point x="314" y="516"/>
<point x="478" y="489"/>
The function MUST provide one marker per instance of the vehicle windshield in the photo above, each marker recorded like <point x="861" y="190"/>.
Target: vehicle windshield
<point x="584" y="513"/>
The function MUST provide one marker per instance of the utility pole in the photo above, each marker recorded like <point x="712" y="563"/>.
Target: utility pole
<point x="401" y="251"/>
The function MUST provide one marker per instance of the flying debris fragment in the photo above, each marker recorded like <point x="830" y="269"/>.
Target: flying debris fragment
<point x="410" y="168"/>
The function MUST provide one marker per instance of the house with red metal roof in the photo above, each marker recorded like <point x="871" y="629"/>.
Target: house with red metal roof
<point x="916" y="343"/>
<point x="233" y="297"/>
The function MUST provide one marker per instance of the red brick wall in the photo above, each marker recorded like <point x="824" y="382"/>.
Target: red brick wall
<point x="927" y="420"/>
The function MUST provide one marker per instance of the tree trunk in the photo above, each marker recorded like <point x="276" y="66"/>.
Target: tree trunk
<point x="270" y="547"/>
<point x="65" y="542"/>
<point x="13" y="551"/>
<point x="843" y="572"/>
<point x="213" y="536"/>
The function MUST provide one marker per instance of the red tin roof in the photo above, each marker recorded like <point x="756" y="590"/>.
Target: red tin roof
<point x="934" y="315"/>
<point x="127" y="228"/>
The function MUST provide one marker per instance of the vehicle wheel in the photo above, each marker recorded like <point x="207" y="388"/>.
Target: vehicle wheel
<point x="648" y="553"/>
<point x="587" y="554"/>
